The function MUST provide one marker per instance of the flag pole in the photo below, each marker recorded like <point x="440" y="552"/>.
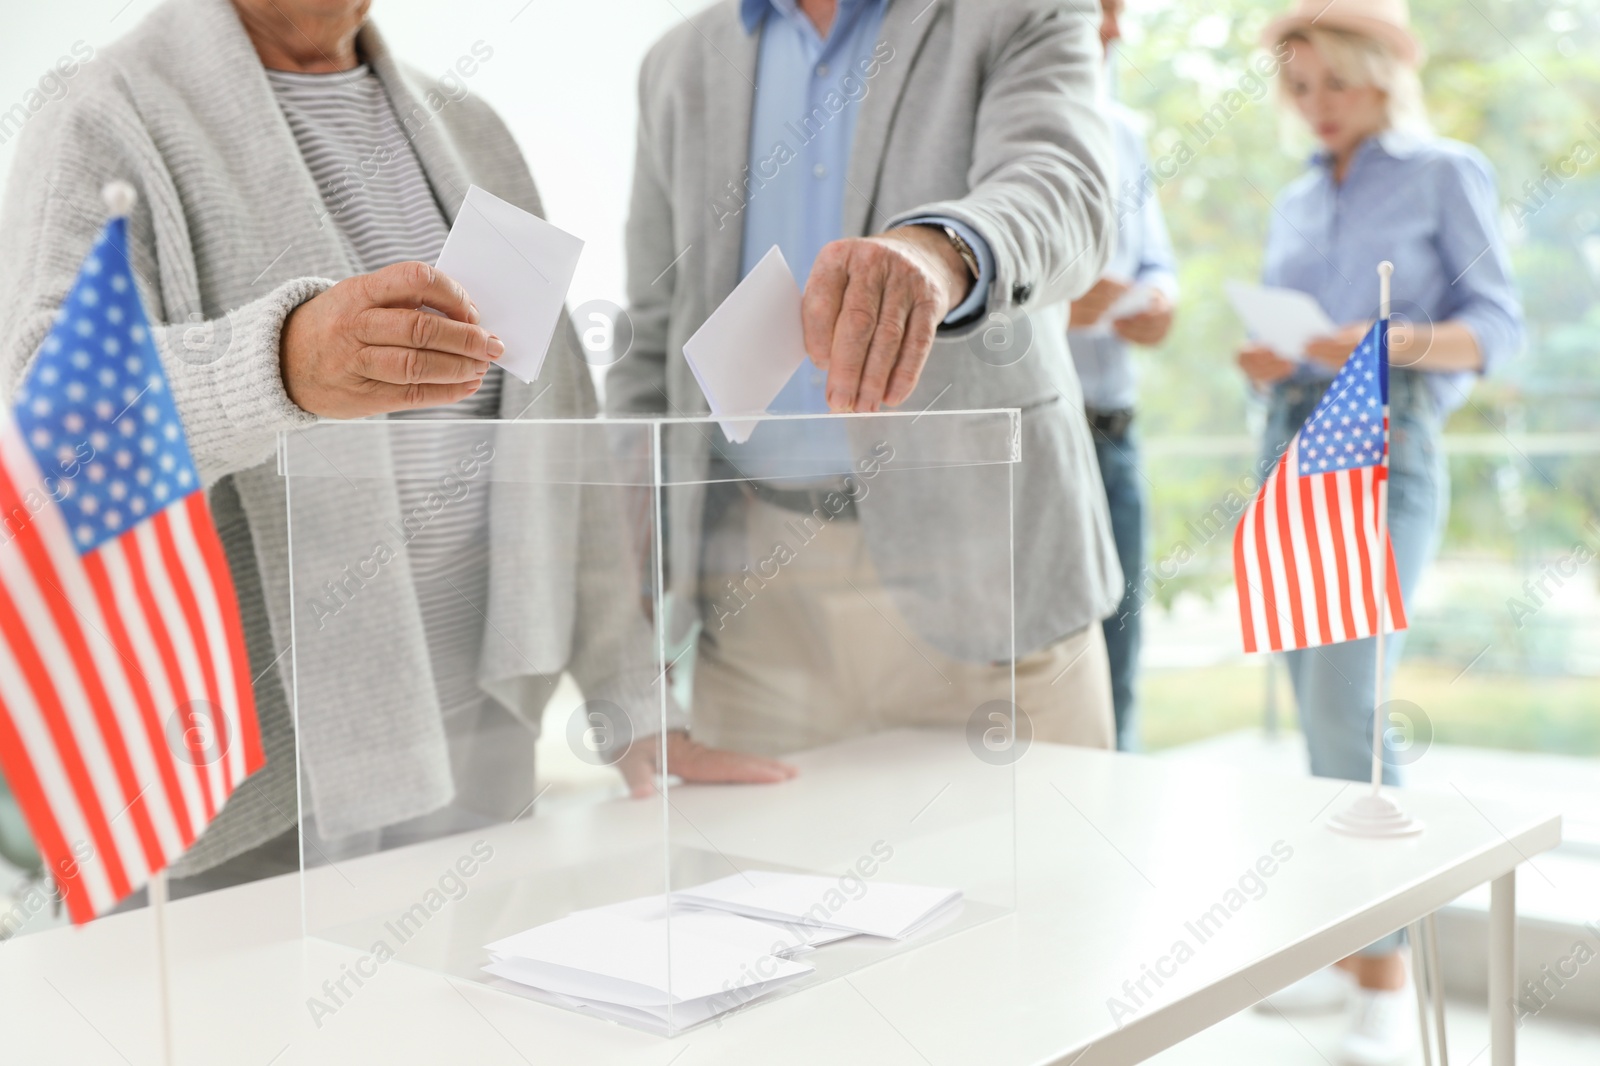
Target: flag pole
<point x="119" y="197"/>
<point x="1373" y="814"/>
<point x="1385" y="273"/>
<point x="158" y="912"/>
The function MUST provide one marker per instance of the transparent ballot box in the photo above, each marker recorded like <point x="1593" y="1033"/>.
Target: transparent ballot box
<point x="529" y="656"/>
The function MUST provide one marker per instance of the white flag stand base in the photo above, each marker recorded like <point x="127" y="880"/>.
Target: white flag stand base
<point x="1375" y="815"/>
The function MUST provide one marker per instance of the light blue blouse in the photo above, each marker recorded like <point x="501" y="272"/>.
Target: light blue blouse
<point x="1429" y="206"/>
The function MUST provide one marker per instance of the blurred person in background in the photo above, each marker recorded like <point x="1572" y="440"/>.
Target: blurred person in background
<point x="1381" y="186"/>
<point x="1132" y="303"/>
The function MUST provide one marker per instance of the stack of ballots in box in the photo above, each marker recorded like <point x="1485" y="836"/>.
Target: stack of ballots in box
<point x="668" y="963"/>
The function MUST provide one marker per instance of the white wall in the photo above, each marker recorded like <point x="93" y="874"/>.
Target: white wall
<point x="562" y="76"/>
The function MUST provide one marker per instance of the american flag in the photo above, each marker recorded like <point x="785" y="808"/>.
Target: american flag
<point x="1307" y="549"/>
<point x="126" y="715"/>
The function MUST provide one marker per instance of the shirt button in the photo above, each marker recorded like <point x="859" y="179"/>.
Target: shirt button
<point x="822" y="70"/>
<point x="819" y="171"/>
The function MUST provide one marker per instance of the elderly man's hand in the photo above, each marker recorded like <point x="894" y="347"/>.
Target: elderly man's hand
<point x="695" y="764"/>
<point x="870" y="310"/>
<point x="365" y="347"/>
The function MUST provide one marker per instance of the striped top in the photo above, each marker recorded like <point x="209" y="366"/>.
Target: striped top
<point x="384" y="210"/>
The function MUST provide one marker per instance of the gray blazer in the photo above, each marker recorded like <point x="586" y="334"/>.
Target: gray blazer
<point x="986" y="111"/>
<point x="229" y="235"/>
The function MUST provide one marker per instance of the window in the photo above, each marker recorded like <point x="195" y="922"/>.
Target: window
<point x="1504" y="649"/>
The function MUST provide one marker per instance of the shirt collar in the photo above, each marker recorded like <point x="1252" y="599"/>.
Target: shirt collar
<point x="1400" y="143"/>
<point x="1395" y="143"/>
<point x="751" y="12"/>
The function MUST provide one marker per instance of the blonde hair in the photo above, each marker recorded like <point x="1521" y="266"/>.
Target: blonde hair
<point x="1366" y="61"/>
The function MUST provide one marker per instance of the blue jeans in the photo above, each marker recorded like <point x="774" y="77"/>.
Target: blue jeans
<point x="1334" y="685"/>
<point x="1125" y="495"/>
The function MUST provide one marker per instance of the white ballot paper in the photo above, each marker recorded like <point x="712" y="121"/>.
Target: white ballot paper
<point x="748" y="349"/>
<point x="1130" y="303"/>
<point x="1282" y="319"/>
<point x="613" y="961"/>
<point x="1135" y="299"/>
<point x="884" y="909"/>
<point x="517" y="268"/>
<point x="756" y="936"/>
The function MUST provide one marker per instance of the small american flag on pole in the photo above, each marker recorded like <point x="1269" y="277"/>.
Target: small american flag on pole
<point x="126" y="714"/>
<point x="1309" y="547"/>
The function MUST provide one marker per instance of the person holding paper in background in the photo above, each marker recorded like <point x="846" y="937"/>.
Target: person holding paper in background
<point x="931" y="171"/>
<point x="1130" y="304"/>
<point x="1381" y="187"/>
<point x="296" y="181"/>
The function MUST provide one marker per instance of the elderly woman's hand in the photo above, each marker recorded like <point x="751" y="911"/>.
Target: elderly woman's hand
<point x="1332" y="351"/>
<point x="1263" y="366"/>
<point x="365" y="347"/>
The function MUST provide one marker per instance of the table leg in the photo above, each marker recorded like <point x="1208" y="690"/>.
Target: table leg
<point x="1503" y="970"/>
<point x="1421" y="978"/>
<point x="1436" y="985"/>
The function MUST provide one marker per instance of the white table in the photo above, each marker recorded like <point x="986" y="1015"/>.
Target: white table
<point x="1118" y="857"/>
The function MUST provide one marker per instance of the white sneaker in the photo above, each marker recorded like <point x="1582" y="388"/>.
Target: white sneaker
<point x="1327" y="990"/>
<point x="1383" y="1027"/>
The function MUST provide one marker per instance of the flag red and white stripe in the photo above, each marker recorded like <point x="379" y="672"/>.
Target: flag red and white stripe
<point x="126" y="713"/>
<point x="1307" y="552"/>
<point x="1310" y="548"/>
<point x="125" y="681"/>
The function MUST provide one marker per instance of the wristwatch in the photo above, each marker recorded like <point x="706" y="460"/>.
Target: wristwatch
<point x="964" y="250"/>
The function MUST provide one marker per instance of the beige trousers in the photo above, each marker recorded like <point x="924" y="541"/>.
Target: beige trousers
<point x="818" y="652"/>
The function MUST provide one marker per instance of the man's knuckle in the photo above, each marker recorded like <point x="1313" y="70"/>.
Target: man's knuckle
<point x="858" y="318"/>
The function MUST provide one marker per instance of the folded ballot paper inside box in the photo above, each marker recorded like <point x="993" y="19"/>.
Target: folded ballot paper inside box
<point x="667" y="965"/>
<point x="633" y="963"/>
<point x="885" y="909"/>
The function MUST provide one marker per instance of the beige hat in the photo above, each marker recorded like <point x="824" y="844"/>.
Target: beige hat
<point x="1386" y="21"/>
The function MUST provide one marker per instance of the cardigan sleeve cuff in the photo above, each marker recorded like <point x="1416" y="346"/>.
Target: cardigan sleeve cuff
<point x="227" y="379"/>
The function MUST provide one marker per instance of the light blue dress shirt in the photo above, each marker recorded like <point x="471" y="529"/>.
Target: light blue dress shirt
<point x="1143" y="255"/>
<point x="808" y="92"/>
<point x="1429" y="206"/>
